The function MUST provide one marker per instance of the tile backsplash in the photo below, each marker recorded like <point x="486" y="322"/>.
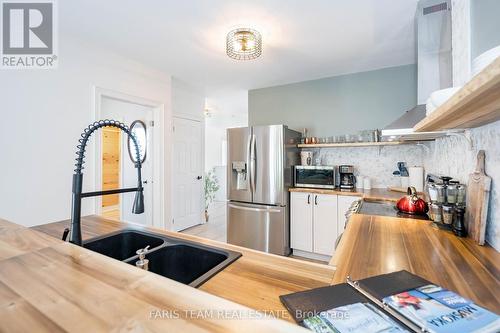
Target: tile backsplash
<point x="449" y="156"/>
<point x="378" y="163"/>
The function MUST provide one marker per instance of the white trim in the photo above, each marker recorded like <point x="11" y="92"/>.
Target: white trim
<point x="188" y="116"/>
<point x="98" y="93"/>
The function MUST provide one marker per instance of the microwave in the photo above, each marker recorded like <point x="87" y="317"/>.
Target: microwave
<point x="316" y="176"/>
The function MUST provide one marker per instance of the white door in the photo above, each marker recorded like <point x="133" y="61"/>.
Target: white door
<point x="301" y="221"/>
<point x="344" y="202"/>
<point x="127" y="113"/>
<point x="187" y="173"/>
<point x="325" y="223"/>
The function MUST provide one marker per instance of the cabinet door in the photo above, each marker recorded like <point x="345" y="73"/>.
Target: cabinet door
<point x="344" y="202"/>
<point x="301" y="225"/>
<point x="325" y="223"/>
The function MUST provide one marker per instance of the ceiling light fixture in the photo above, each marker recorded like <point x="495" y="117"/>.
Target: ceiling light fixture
<point x="244" y="44"/>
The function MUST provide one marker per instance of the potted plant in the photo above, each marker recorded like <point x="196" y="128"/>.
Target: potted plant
<point x="211" y="187"/>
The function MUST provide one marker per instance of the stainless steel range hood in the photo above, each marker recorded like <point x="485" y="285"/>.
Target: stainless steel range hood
<point x="434" y="71"/>
<point x="402" y="128"/>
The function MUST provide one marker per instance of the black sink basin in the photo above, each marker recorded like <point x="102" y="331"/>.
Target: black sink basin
<point x="177" y="259"/>
<point x="123" y="245"/>
<point x="185" y="263"/>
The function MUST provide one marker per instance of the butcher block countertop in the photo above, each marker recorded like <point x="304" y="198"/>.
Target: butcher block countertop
<point x="50" y="285"/>
<point x="373" y="194"/>
<point x="373" y="245"/>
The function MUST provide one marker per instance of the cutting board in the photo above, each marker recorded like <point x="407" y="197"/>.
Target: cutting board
<point x="478" y="194"/>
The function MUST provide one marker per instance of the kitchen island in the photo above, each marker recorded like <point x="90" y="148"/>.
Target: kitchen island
<point x="50" y="285"/>
<point x="55" y="286"/>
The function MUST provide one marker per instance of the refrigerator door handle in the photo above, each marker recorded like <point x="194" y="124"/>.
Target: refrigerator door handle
<point x="249" y="162"/>
<point x="253" y="161"/>
<point x="255" y="209"/>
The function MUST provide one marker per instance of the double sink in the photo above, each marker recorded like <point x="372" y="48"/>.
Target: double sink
<point x="177" y="259"/>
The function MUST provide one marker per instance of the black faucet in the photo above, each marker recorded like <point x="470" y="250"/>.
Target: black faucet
<point x="75" y="233"/>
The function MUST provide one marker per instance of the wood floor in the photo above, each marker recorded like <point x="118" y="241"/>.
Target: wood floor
<point x="215" y="228"/>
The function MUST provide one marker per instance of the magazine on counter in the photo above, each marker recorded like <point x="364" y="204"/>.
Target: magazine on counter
<point x="353" y="318"/>
<point x="442" y="311"/>
<point x="389" y="303"/>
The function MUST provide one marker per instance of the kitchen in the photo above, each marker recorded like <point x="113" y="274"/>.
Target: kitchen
<point x="311" y="204"/>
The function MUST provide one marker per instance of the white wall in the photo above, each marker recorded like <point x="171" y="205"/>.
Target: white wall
<point x="228" y="109"/>
<point x="43" y="113"/>
<point x="188" y="101"/>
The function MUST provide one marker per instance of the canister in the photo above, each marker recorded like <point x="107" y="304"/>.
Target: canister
<point x="436" y="213"/>
<point x="461" y="194"/>
<point x="448" y="211"/>
<point x="451" y="193"/>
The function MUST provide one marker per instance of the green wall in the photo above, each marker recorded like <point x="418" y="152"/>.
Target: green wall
<point x="485" y="25"/>
<point x="337" y="105"/>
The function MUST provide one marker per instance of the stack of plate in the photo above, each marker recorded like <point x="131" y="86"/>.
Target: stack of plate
<point x="438" y="98"/>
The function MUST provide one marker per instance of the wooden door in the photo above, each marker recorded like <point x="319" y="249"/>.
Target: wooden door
<point x="111" y="141"/>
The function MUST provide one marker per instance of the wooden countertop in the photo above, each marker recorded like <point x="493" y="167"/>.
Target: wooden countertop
<point x="373" y="245"/>
<point x="50" y="285"/>
<point x="373" y="194"/>
<point x="47" y="285"/>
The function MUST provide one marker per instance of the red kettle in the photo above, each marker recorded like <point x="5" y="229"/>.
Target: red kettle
<point x="412" y="204"/>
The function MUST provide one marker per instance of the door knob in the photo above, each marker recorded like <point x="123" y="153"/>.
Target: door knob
<point x="199" y="177"/>
<point x="145" y="182"/>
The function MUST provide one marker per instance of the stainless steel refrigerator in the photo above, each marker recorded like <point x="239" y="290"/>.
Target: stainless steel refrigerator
<point x="259" y="173"/>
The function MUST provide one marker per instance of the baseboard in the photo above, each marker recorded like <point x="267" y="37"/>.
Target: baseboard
<point x="310" y="255"/>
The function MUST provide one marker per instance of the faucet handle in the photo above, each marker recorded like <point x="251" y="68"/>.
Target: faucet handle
<point x="65" y="234"/>
<point x="142" y="252"/>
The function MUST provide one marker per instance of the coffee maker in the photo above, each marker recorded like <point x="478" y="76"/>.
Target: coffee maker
<point x="347" y="178"/>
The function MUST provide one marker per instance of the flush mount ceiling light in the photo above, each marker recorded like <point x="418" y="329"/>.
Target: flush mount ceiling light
<point x="244" y="44"/>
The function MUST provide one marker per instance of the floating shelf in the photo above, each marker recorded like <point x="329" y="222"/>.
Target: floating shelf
<point x="476" y="104"/>
<point x="353" y="144"/>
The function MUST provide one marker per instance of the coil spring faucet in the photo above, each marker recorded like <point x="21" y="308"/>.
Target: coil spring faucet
<point x="75" y="234"/>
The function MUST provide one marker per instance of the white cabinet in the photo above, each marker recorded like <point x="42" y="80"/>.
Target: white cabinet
<point x="313" y="222"/>
<point x="301" y="221"/>
<point x="324" y="224"/>
<point x="344" y="202"/>
<point x="316" y="220"/>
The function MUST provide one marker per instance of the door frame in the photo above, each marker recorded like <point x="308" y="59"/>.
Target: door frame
<point x="158" y="108"/>
<point x="172" y="153"/>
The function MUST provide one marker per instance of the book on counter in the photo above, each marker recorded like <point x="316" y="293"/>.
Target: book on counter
<point x="389" y="303"/>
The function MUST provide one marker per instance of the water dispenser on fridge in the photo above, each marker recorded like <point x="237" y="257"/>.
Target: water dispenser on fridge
<point x="239" y="175"/>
